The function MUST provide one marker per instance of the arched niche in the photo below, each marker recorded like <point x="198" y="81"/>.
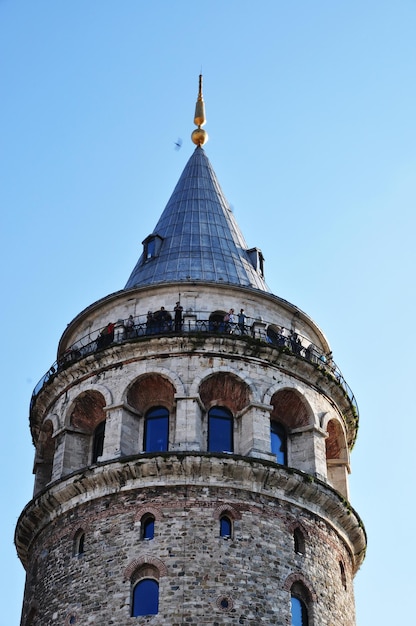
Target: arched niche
<point x="45" y="452"/>
<point x="337" y="457"/>
<point x="290" y="409"/>
<point x="151" y="390"/>
<point x="304" y="445"/>
<point x="225" y="389"/>
<point x="85" y="416"/>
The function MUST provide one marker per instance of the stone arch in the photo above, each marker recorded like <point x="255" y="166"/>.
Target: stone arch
<point x="291" y="409"/>
<point x="294" y="437"/>
<point x="337" y="456"/>
<point x="87" y="411"/>
<point x="225" y="388"/>
<point x="241" y="376"/>
<point x="151" y="389"/>
<point x="143" y="563"/>
<point x="336" y="443"/>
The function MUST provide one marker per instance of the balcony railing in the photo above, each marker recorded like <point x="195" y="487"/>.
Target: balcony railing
<point x="147" y="326"/>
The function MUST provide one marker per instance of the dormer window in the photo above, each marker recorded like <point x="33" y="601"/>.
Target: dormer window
<point x="257" y="260"/>
<point x="151" y="247"/>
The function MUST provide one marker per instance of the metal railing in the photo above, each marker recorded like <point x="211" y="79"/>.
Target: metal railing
<point x="162" y="324"/>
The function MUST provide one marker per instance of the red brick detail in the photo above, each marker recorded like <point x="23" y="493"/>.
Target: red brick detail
<point x="298" y="577"/>
<point x="228" y="509"/>
<point x="141" y="562"/>
<point x="289" y="409"/>
<point x="224" y="389"/>
<point x="151" y="390"/>
<point x="88" y="411"/>
<point x="153" y="510"/>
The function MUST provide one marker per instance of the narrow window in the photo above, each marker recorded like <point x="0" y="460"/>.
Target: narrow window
<point x="225" y="527"/>
<point x="145" y="599"/>
<point x="220" y="430"/>
<point x="147" y="527"/>
<point x="79" y="541"/>
<point x="343" y="575"/>
<point x="156" y="430"/>
<point x="299" y="541"/>
<point x="98" y="442"/>
<point x="278" y="440"/>
<point x="150" y="248"/>
<point x="299" y="612"/>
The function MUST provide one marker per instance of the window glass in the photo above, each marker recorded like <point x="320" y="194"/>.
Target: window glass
<point x="220" y="430"/>
<point x="299" y="612"/>
<point x="150" y="248"/>
<point x="148" y="527"/>
<point x="225" y="526"/>
<point x="278" y="442"/>
<point x="156" y="430"/>
<point x="145" y="598"/>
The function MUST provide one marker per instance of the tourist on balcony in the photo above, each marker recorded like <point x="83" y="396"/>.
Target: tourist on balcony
<point x="178" y="317"/>
<point x="242" y="321"/>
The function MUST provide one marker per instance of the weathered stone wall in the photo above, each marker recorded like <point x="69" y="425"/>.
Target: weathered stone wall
<point x="253" y="570"/>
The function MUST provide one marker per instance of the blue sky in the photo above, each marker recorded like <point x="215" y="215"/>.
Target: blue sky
<point x="311" y="116"/>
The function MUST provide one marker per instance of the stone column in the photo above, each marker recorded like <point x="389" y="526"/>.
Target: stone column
<point x="123" y="432"/>
<point x="306" y="450"/>
<point x="188" y="426"/>
<point x="254" y="430"/>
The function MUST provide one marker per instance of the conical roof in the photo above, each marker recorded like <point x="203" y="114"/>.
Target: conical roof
<point x="197" y="237"/>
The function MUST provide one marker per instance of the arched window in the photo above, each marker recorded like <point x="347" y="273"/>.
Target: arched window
<point x="226" y="527"/>
<point x="220" y="430"/>
<point x="145" y="600"/>
<point x="156" y="430"/>
<point x="147" y="523"/>
<point x="98" y="442"/>
<point x="79" y="541"/>
<point x="278" y="439"/>
<point x="299" y="541"/>
<point x="298" y="605"/>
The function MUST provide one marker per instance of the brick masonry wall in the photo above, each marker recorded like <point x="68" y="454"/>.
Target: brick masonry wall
<point x="253" y="570"/>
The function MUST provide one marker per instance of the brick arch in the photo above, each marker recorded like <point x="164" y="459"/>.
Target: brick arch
<point x="142" y="562"/>
<point x="153" y="510"/>
<point x="298" y="577"/>
<point x="227" y="509"/>
<point x="225" y="389"/>
<point x="335" y="443"/>
<point x="149" y="390"/>
<point x="290" y="408"/>
<point x="87" y="410"/>
<point x="240" y="375"/>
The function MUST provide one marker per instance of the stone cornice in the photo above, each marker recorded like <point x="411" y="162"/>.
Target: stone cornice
<point x="196" y="469"/>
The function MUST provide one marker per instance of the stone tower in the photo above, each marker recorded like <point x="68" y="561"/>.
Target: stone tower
<point x="192" y="444"/>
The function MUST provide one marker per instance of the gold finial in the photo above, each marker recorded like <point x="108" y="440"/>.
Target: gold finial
<point x="200" y="136"/>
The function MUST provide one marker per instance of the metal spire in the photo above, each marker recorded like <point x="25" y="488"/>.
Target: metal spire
<point x="199" y="135"/>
